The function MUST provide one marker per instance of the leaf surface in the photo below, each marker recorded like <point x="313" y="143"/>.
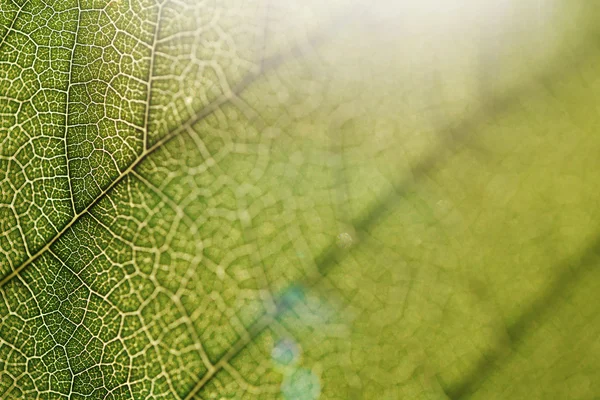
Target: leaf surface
<point x="297" y="200"/>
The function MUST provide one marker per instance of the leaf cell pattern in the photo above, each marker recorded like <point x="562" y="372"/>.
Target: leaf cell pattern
<point x="254" y="200"/>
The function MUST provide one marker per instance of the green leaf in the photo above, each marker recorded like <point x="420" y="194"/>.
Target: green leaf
<point x="298" y="200"/>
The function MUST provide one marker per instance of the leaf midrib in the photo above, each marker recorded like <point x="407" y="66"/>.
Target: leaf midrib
<point x="266" y="64"/>
<point x="196" y="118"/>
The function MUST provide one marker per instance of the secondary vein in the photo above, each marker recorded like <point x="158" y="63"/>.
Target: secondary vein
<point x="268" y="64"/>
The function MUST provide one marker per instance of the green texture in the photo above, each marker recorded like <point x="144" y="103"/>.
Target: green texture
<point x="245" y="199"/>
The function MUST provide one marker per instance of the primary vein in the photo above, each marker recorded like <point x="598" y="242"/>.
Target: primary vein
<point x="267" y="65"/>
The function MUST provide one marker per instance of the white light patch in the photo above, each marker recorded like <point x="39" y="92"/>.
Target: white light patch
<point x="460" y="12"/>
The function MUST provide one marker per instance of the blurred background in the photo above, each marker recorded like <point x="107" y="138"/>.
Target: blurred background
<point x="462" y="143"/>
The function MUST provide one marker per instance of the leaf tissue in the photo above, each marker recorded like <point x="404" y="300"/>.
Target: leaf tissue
<point x="299" y="199"/>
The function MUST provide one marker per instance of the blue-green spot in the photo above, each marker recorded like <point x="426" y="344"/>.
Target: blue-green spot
<point x="302" y="384"/>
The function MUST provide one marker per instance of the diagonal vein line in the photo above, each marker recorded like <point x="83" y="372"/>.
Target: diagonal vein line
<point x="269" y="64"/>
<point x="67" y="111"/>
<point x="12" y="24"/>
<point x="151" y="76"/>
<point x="571" y="270"/>
<point x="451" y="136"/>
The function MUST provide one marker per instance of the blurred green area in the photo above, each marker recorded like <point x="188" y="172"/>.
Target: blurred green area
<point x="466" y="171"/>
<point x="401" y="204"/>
